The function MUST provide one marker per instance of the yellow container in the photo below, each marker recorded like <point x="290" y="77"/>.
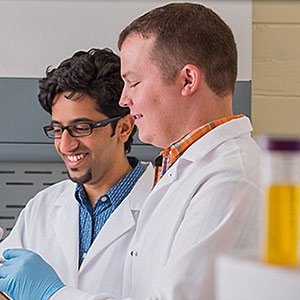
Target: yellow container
<point x="281" y="204"/>
<point x="282" y="242"/>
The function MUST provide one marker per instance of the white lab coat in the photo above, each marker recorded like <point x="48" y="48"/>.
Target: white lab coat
<point x="205" y="204"/>
<point x="49" y="225"/>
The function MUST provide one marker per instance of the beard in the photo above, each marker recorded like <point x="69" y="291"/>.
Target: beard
<point x="86" y="177"/>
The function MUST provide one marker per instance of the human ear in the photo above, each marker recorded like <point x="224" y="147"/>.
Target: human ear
<point x="125" y="127"/>
<point x="190" y="75"/>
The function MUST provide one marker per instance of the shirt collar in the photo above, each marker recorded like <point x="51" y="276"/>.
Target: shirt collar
<point x="114" y="194"/>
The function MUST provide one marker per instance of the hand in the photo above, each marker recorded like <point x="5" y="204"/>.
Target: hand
<point x="25" y="275"/>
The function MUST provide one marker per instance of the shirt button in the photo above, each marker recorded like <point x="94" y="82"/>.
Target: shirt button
<point x="104" y="199"/>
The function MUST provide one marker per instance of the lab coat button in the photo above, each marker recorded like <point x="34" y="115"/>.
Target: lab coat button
<point x="133" y="253"/>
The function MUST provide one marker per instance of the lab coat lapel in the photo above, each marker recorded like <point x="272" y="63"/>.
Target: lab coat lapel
<point x="64" y="219"/>
<point x="163" y="184"/>
<point x="123" y="219"/>
<point x="156" y="194"/>
<point x="119" y="223"/>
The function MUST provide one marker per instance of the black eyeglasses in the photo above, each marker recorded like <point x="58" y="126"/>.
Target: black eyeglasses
<point x="79" y="129"/>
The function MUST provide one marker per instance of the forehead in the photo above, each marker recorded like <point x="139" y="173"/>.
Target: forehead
<point x="70" y="109"/>
<point x="135" y="52"/>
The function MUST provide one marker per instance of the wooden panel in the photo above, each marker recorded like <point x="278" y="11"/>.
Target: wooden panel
<point x="276" y="115"/>
<point x="276" y="65"/>
<point x="276" y="41"/>
<point x="276" y="59"/>
<point x="276" y="77"/>
<point x="276" y="11"/>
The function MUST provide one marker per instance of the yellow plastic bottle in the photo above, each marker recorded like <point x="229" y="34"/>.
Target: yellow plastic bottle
<point x="281" y="213"/>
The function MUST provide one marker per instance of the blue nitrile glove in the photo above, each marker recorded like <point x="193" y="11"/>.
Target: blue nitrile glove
<point x="26" y="276"/>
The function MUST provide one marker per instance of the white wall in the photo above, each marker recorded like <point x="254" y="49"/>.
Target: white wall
<point x="36" y="34"/>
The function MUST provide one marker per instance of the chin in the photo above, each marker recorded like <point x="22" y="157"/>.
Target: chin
<point x="151" y="140"/>
<point x="84" y="178"/>
<point x="144" y="138"/>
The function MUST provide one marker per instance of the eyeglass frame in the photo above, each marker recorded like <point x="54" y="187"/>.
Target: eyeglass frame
<point x="92" y="125"/>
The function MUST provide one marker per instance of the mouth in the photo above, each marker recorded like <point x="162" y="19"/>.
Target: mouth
<point x="74" y="159"/>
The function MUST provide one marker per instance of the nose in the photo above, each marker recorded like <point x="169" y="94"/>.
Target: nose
<point x="125" y="99"/>
<point x="66" y="143"/>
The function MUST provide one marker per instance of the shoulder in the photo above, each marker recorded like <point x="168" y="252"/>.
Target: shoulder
<point x="228" y="152"/>
<point x="51" y="195"/>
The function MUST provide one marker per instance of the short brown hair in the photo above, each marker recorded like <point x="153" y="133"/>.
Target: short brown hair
<point x="189" y="33"/>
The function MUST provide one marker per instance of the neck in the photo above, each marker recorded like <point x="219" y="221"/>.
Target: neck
<point x="95" y="190"/>
<point x="191" y="117"/>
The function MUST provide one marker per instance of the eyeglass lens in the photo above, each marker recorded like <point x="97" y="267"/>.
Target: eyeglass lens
<point x="76" y="130"/>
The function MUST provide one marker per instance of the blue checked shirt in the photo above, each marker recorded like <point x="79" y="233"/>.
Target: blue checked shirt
<point x="91" y="220"/>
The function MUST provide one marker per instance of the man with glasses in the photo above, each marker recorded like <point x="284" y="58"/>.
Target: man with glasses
<point x="82" y="227"/>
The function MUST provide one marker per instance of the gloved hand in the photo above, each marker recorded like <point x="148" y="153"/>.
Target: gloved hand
<point x="26" y="276"/>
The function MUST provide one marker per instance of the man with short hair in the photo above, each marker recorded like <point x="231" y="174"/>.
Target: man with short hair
<point x="83" y="226"/>
<point x="179" y="65"/>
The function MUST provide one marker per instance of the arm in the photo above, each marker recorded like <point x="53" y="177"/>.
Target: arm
<point x="20" y="235"/>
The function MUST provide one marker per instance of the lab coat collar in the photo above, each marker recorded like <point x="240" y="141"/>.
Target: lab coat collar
<point x="142" y="188"/>
<point x="123" y="219"/>
<point x="222" y="133"/>
<point x="204" y="145"/>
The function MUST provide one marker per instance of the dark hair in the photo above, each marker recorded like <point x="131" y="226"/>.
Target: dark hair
<point x="95" y="73"/>
<point x="189" y="33"/>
